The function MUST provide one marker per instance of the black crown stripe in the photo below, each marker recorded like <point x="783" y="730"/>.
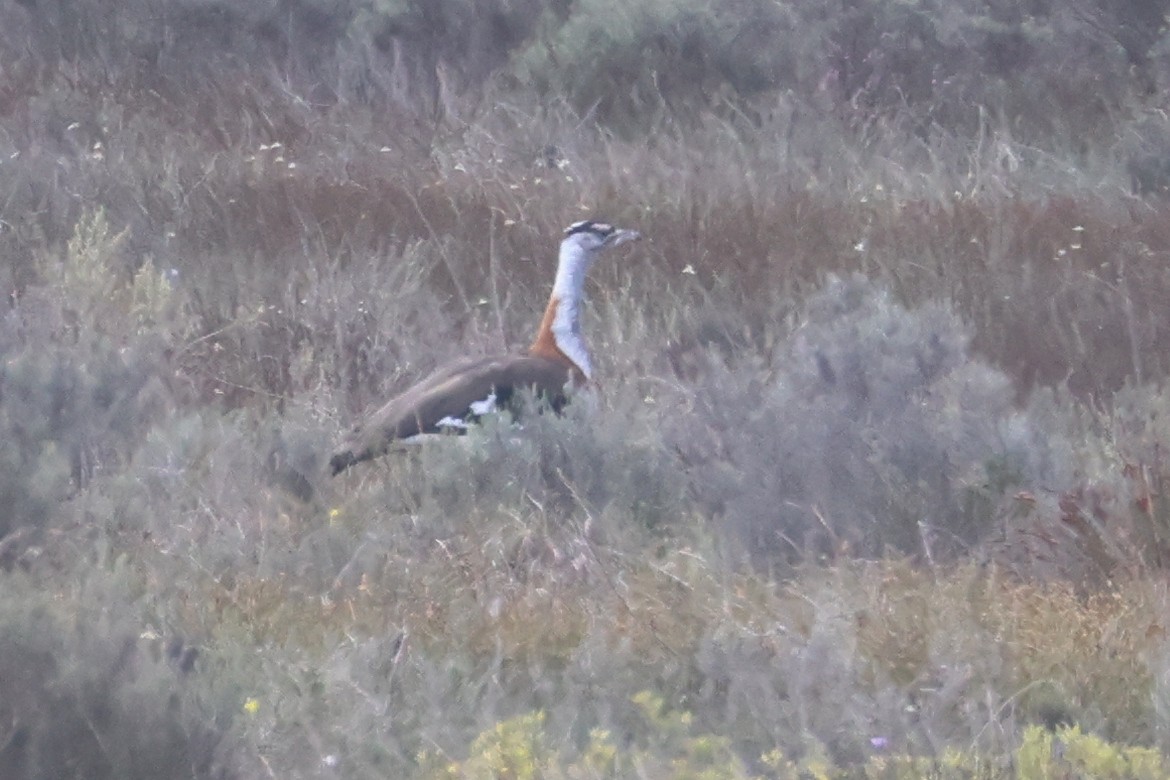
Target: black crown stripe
<point x="602" y="229"/>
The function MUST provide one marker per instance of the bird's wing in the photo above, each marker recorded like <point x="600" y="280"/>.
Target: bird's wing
<point x="451" y="396"/>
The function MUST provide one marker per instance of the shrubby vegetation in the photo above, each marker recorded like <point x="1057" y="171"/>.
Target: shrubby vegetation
<point x="85" y="695"/>
<point x="874" y="486"/>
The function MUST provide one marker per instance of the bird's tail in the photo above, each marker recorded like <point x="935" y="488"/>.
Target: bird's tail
<point x="341" y="461"/>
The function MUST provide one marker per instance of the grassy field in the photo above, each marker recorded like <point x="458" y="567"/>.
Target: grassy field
<point x="875" y="486"/>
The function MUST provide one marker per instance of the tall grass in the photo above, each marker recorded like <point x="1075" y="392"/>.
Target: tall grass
<point x="873" y="484"/>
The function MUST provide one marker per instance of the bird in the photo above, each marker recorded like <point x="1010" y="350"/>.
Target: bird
<point x="455" y="396"/>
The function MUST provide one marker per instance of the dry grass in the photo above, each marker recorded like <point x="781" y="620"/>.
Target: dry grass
<point x="878" y="466"/>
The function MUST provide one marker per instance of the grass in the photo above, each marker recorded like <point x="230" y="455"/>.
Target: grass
<point x="874" y="485"/>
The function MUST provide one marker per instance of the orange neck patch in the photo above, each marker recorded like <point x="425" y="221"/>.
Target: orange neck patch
<point x="546" y="345"/>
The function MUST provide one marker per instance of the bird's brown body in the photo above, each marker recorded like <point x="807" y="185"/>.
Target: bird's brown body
<point x="460" y="392"/>
<point x="448" y="394"/>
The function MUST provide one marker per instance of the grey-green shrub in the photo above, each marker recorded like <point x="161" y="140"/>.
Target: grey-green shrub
<point x="84" y="695"/>
<point x="865" y="431"/>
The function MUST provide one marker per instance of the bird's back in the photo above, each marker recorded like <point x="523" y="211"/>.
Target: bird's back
<point x="454" y="394"/>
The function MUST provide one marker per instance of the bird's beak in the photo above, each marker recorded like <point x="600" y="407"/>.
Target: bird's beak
<point x="619" y="237"/>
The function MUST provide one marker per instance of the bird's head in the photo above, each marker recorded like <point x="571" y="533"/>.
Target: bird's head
<point x="590" y="238"/>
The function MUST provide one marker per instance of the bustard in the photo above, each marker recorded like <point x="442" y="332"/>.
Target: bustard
<point x="459" y="393"/>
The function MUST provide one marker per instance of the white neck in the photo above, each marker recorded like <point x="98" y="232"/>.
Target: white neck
<point x="568" y="290"/>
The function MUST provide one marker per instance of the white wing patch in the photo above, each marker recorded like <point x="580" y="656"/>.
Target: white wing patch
<point x="486" y="406"/>
<point x="476" y="408"/>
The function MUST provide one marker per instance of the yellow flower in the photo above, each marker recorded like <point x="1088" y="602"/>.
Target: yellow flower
<point x="251" y="705"/>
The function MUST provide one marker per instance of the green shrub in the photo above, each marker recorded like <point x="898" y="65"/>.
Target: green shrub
<point x="83" y="695"/>
<point x="905" y="424"/>
<point x="1045" y="754"/>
